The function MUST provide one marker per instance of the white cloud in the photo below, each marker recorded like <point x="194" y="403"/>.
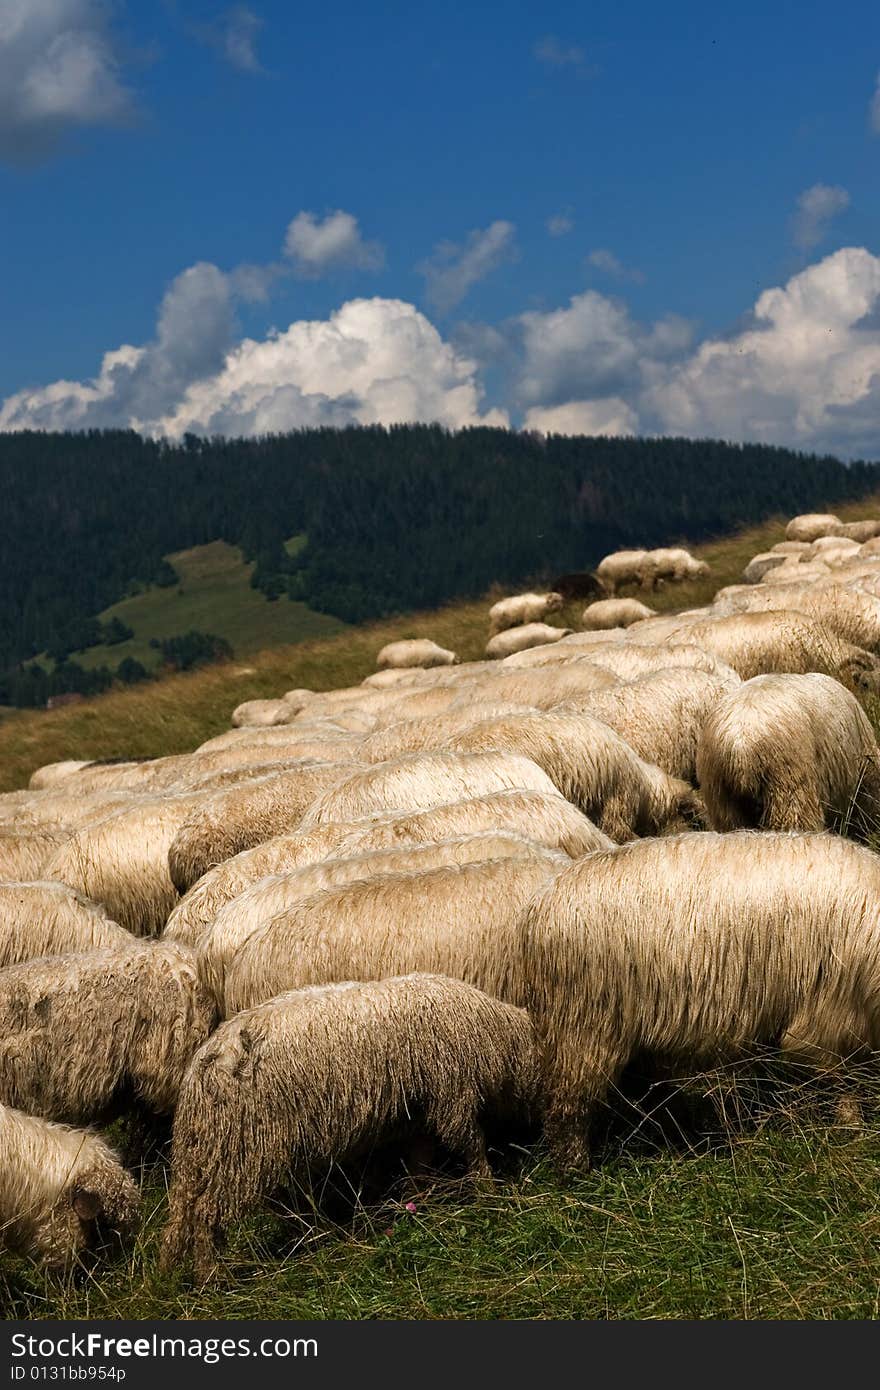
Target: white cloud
<point x="874" y="108"/>
<point x="610" y="416"/>
<point x="806" y="373"/>
<point x="315" y="247"/>
<point x="452" y="270"/>
<point x="234" y="35"/>
<point x="553" y="53"/>
<point x="373" y="361"/>
<point x="607" y="262"/>
<point x="560" y="224"/>
<point x="816" y="209"/>
<point x="592" y="348"/>
<point x="58" y="70"/>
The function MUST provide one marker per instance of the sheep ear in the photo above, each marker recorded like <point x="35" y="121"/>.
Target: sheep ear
<point x="87" y="1205"/>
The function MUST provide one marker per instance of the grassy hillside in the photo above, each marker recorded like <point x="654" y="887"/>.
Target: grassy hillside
<point x="179" y="712"/>
<point x="214" y="595"/>
<point x="767" y="1210"/>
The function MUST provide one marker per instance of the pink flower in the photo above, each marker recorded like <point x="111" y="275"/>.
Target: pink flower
<point x="411" y="1206"/>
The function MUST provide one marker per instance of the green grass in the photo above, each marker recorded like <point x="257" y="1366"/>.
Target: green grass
<point x="776" y="1217"/>
<point x="214" y="595"/>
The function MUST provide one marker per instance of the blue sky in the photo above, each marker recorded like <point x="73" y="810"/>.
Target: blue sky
<point x="686" y="162"/>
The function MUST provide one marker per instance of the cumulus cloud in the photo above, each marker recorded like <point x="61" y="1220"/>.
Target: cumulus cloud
<point x="560" y="224"/>
<point x="874" y="108"/>
<point x="59" y="70"/>
<point x="373" y="361"/>
<point x="609" y="416"/>
<point x="452" y="269"/>
<point x="816" y="209"/>
<point x="234" y="35"/>
<point x="591" y="348"/>
<point x="608" y="263"/>
<point x="315" y="247"/>
<point x="804" y="373"/>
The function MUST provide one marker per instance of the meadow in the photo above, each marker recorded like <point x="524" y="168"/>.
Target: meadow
<point x="749" y="1198"/>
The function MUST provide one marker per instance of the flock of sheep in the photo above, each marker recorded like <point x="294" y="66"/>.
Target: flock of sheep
<point x="458" y="897"/>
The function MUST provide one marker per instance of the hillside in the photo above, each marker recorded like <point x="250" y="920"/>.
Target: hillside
<point x="214" y="595"/>
<point x="763" y="1205"/>
<point x="178" y="712"/>
<point x="388" y="521"/>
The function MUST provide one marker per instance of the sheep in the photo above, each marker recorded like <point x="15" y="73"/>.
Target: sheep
<point x="59" y="1187"/>
<point x="538" y="689"/>
<point x="460" y="920"/>
<point x="51" y="774"/>
<point x="393" y="676"/>
<point x="419" y="651"/>
<point x="761" y="565"/>
<point x="261" y="712"/>
<point x="277" y="893"/>
<point x="857" y="530"/>
<point x="853" y="615"/>
<point x="427" y="779"/>
<point x="789" y="752"/>
<point x="521" y="609"/>
<point x="298" y="698"/>
<point x="675" y="564"/>
<point x="623" y="567"/>
<point x="629" y="661"/>
<point x="24" y="856"/>
<point x="122" y="861"/>
<point x="316" y="1076"/>
<point x="825" y="546"/>
<point x="756" y="644"/>
<point x="242" y="816"/>
<point x="542" y="818"/>
<point x="565" y="650"/>
<point x="80" y="1033"/>
<point x="660" y="715"/>
<point x="789" y="547"/>
<point x="592" y="767"/>
<point x="811" y="525"/>
<point x="694" y="949"/>
<point x="50" y="919"/>
<point x="519" y="639"/>
<point x="614" y="612"/>
<point x="416" y="735"/>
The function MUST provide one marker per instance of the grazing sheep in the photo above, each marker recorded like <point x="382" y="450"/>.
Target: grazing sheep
<point x="756" y="644"/>
<point x="263" y="712"/>
<point x="393" y="676"/>
<point x="824" y="546"/>
<point x="59" y="1187"/>
<point x="416" y="735"/>
<point x="628" y="661"/>
<point x="761" y="565"/>
<point x="80" y="1034"/>
<point x="592" y="767"/>
<point x="419" y="651"/>
<point x="277" y="893"/>
<point x="298" y="698"/>
<point x="51" y="774"/>
<point x="858" y="530"/>
<point x="623" y="567"/>
<point x="460" y="920"/>
<point x="242" y="816"/>
<point x="614" y="612"/>
<point x="789" y="752"/>
<point x="811" y="526"/>
<point x="542" y="818"/>
<point x="676" y="565"/>
<point x="427" y="779"/>
<point x="317" y="1076"/>
<point x="50" y="919"/>
<point x="24" y="856"/>
<point x="577" y="646"/>
<point x="539" y="689"/>
<point x="122" y="861"/>
<point x="789" y="547"/>
<point x="521" y="609"/>
<point x="660" y="715"/>
<point x="692" y="950"/>
<point x="519" y="639"/>
<point x="851" y="614"/>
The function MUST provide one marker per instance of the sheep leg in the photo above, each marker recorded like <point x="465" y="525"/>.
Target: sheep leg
<point x="463" y="1135"/>
<point x="578" y="1086"/>
<point x="794" y="806"/>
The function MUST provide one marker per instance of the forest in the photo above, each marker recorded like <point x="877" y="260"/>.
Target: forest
<point x="395" y="518"/>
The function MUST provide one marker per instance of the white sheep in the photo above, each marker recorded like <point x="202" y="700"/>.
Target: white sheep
<point x="520" y="609"/>
<point x="418" y="651"/>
